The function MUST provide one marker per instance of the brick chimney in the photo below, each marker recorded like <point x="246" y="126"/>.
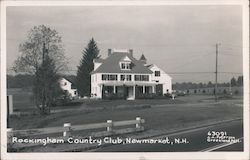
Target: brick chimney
<point x="109" y="52"/>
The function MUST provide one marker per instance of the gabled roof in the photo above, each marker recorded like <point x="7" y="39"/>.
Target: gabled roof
<point x="111" y="65"/>
<point x="99" y="60"/>
<point x="149" y="65"/>
<point x="125" y="58"/>
<point x="70" y="79"/>
<point x="143" y="58"/>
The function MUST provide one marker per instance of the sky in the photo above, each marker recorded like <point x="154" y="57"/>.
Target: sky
<point x="176" y="38"/>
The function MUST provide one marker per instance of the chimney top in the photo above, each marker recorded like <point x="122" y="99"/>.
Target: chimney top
<point x="130" y="52"/>
<point x="109" y="52"/>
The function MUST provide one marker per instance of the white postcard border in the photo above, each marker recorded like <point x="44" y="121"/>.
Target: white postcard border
<point x="127" y="155"/>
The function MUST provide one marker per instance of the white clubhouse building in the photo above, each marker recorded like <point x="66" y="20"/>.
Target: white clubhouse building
<point x="123" y="76"/>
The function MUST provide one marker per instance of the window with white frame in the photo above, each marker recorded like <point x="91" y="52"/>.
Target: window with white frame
<point x="125" y="65"/>
<point x="157" y="73"/>
<point x="141" y="77"/>
<point x="126" y="77"/>
<point x="109" y="77"/>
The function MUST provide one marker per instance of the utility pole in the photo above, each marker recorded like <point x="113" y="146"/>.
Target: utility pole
<point x="216" y="73"/>
<point x="43" y="74"/>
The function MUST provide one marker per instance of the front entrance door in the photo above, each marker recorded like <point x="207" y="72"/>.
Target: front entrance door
<point x="159" y="89"/>
<point x="129" y="94"/>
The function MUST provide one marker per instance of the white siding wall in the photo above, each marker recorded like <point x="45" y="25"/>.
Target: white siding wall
<point x="96" y="65"/>
<point x="96" y="79"/>
<point x="164" y="79"/>
<point x="66" y="85"/>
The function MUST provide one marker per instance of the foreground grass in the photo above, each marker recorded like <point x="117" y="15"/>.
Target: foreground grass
<point x="156" y="117"/>
<point x="174" y="115"/>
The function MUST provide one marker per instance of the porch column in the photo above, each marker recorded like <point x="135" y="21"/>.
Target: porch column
<point x="134" y="91"/>
<point x="153" y="89"/>
<point x="102" y="91"/>
<point x="114" y="89"/>
<point x="143" y="89"/>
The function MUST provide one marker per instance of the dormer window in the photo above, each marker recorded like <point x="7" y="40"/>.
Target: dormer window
<point x="125" y="65"/>
<point x="157" y="73"/>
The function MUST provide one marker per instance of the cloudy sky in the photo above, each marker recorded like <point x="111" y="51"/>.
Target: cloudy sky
<point x="176" y="38"/>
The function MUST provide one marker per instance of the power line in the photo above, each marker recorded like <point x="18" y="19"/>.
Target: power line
<point x="191" y="60"/>
<point x="230" y="72"/>
<point x="228" y="54"/>
<point x="190" y="72"/>
<point x="139" y="44"/>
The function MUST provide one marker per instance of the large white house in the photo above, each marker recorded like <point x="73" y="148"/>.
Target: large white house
<point x="123" y="76"/>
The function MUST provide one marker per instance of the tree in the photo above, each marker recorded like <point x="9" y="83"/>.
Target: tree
<point x="40" y="38"/>
<point x="200" y="85"/>
<point x="46" y="87"/>
<point x="240" y="81"/>
<point x="20" y="81"/>
<point x="233" y="82"/>
<point x="42" y="55"/>
<point x="83" y="78"/>
<point x="210" y="84"/>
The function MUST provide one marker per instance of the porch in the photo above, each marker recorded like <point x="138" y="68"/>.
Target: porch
<point x="129" y="91"/>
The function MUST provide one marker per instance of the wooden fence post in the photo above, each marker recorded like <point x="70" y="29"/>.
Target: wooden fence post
<point x="66" y="133"/>
<point x="173" y="96"/>
<point x="10" y="104"/>
<point x="110" y="125"/>
<point x="138" y="124"/>
<point x="9" y="107"/>
<point x="9" y="135"/>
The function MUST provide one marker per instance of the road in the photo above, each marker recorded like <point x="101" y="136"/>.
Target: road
<point x="196" y="140"/>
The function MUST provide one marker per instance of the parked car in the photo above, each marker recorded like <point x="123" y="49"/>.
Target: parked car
<point x="180" y="93"/>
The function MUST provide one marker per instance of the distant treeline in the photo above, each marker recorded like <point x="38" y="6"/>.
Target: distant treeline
<point x="189" y="85"/>
<point x="26" y="80"/>
<point x="20" y="81"/>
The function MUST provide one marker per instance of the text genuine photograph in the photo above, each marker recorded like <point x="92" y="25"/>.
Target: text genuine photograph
<point x="125" y="80"/>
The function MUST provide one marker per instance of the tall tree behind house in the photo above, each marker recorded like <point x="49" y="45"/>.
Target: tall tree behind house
<point x="83" y="78"/>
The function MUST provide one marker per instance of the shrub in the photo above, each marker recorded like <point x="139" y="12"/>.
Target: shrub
<point x="146" y="96"/>
<point x="203" y="91"/>
<point x="236" y="92"/>
<point x="224" y="91"/>
<point x="167" y="95"/>
<point x="113" y="96"/>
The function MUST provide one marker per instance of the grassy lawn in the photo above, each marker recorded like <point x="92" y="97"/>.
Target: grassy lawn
<point x="171" y="113"/>
<point x="22" y="99"/>
<point x="23" y="102"/>
<point x="114" y="103"/>
<point x="156" y="117"/>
